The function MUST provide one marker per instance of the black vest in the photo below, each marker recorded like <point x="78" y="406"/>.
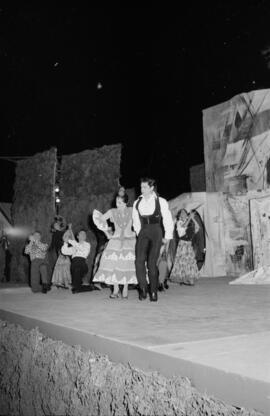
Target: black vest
<point x="154" y="218"/>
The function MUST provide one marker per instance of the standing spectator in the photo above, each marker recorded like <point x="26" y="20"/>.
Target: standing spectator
<point x="39" y="266"/>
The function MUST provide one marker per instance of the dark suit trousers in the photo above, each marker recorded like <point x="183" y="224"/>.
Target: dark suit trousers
<point x="78" y="271"/>
<point x="147" y="252"/>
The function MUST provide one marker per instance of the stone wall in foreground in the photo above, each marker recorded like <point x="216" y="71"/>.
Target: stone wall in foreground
<point x="40" y="376"/>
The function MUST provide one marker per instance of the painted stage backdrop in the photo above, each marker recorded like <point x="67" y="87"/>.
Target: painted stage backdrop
<point x="237" y="143"/>
<point x="259" y="206"/>
<point x="260" y="229"/>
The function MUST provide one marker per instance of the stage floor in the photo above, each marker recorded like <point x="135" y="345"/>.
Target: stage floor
<point x="216" y="334"/>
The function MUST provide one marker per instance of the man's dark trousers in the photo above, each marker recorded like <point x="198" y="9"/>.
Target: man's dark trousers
<point x="147" y="252"/>
<point x="78" y="271"/>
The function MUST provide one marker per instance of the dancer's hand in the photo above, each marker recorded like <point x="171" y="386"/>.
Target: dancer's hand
<point x="108" y="235"/>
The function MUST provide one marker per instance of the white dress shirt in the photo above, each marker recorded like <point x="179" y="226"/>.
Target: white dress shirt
<point x="147" y="207"/>
<point x="78" y="249"/>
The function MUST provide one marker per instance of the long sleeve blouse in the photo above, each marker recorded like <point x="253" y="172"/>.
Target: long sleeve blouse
<point x="77" y="249"/>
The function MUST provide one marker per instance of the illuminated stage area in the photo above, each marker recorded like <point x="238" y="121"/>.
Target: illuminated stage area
<point x="216" y="334"/>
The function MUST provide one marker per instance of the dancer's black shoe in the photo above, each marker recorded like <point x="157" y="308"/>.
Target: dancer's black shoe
<point x="142" y="294"/>
<point x="161" y="287"/>
<point x="84" y="288"/>
<point x="94" y="287"/>
<point x="153" y="297"/>
<point x="44" y="289"/>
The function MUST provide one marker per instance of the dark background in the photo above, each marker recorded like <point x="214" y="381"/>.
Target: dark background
<point x="80" y="78"/>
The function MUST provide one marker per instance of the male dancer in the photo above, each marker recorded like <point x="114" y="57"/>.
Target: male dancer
<point x="150" y="212"/>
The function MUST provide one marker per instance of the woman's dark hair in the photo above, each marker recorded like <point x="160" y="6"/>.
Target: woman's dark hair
<point x="58" y="219"/>
<point x="180" y="212"/>
<point x="124" y="198"/>
<point x="149" y="181"/>
<point x="115" y="196"/>
<point x="121" y="187"/>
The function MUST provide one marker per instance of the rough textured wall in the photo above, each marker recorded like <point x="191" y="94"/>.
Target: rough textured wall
<point x="92" y="172"/>
<point x="33" y="204"/>
<point x="88" y="181"/>
<point x="79" y="211"/>
<point x="39" y="376"/>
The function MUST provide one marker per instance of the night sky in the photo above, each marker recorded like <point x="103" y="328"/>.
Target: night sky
<point x="77" y="79"/>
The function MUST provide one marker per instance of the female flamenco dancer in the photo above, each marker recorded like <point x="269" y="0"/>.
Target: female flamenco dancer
<point x="185" y="270"/>
<point x="117" y="263"/>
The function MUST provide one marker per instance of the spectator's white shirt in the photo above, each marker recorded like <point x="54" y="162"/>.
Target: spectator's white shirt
<point x="147" y="207"/>
<point x="78" y="249"/>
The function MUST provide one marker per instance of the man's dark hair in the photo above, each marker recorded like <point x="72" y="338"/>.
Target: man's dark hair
<point x="149" y="181"/>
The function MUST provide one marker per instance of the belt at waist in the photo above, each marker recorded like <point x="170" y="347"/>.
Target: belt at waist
<point x="150" y="220"/>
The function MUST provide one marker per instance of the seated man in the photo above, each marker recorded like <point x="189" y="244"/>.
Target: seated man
<point x="39" y="272"/>
<point x="79" y="251"/>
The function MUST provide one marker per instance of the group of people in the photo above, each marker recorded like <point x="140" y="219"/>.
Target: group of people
<point x="67" y="254"/>
<point x="139" y="249"/>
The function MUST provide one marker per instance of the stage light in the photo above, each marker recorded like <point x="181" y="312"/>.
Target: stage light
<point x="19" y="232"/>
